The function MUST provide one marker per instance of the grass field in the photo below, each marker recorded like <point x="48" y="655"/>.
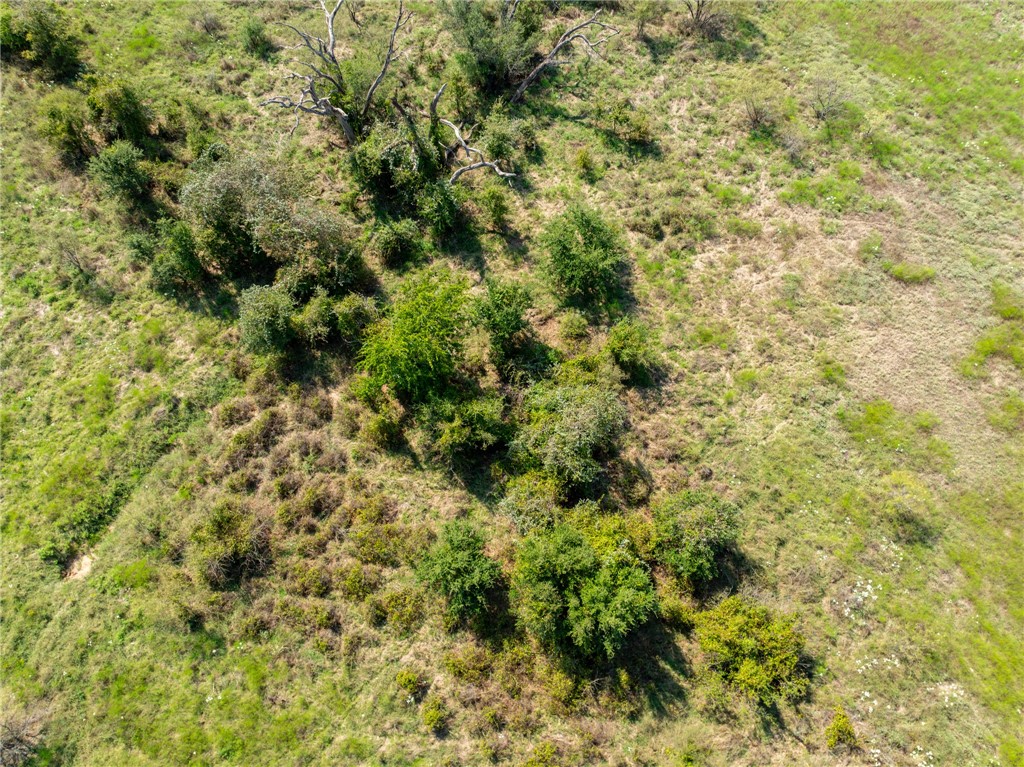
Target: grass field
<point x="838" y="311"/>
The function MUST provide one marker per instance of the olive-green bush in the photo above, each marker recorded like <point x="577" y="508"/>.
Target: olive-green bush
<point x="265" y="319"/>
<point x="576" y="603"/>
<point x="585" y="257"/>
<point x="418" y="345"/>
<point x="753" y="650"/>
<point x="457" y="567"/>
<point x="694" y="528"/>
<point x="119" y="171"/>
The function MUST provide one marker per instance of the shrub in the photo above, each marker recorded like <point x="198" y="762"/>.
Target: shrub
<point x="118" y="170"/>
<point x="753" y="650"/>
<point x="417" y="347"/>
<point x="694" y="528"/>
<point x="396" y="242"/>
<point x="569" y="428"/>
<point x="627" y="124"/>
<point x="457" y="567"/>
<point x="583" y="163"/>
<point x="631" y="346"/>
<point x="436" y="715"/>
<point x="352" y="315"/>
<point x="255" y="41"/>
<point x="390" y="164"/>
<point x="574" y="602"/>
<point x="409" y="682"/>
<point x="37" y="32"/>
<point x="498" y="53"/>
<point x="176" y="266"/>
<point x="64" y="116"/>
<point x="501" y="312"/>
<point x="239" y="205"/>
<point x="141" y="248"/>
<point x="230" y="544"/>
<point x="119" y="112"/>
<point x="494" y="203"/>
<point x="585" y="256"/>
<point x="531" y="501"/>
<point x="465" y="429"/>
<point x="316" y="321"/>
<point x="265" y="319"/>
<point x="840" y="730"/>
<point x="439" y="207"/>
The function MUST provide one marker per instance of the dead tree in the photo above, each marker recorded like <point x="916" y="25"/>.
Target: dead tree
<point x="475" y="158"/>
<point x="576" y="34"/>
<point x="324" y="85"/>
<point x="827" y="98"/>
<point x="703" y="16"/>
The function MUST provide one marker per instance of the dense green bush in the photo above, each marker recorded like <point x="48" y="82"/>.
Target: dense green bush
<point x="36" y="31"/>
<point x="569" y="429"/>
<point x="118" y="169"/>
<point x="574" y="602"/>
<point x="840" y="730"/>
<point x="464" y="429"/>
<point x="493" y="203"/>
<point x="119" y="111"/>
<point x="631" y="345"/>
<point x="391" y="164"/>
<point x="694" y="528"/>
<point x="316" y="322"/>
<point x="628" y="124"/>
<point x="499" y="52"/>
<point x="531" y="501"/>
<point x="396" y="242"/>
<point x="64" y="124"/>
<point x="501" y="312"/>
<point x="436" y="714"/>
<point x="586" y="256"/>
<point x="756" y="652"/>
<point x="352" y="315"/>
<point x="176" y="266"/>
<point x="418" y="345"/>
<point x="457" y="567"/>
<point x="439" y="207"/>
<point x="255" y="40"/>
<point x="265" y="319"/>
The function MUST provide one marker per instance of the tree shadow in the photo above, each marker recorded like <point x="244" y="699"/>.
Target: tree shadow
<point x="655" y="662"/>
<point x="659" y="48"/>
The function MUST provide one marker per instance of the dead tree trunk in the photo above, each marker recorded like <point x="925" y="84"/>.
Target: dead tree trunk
<point x="474" y="157"/>
<point x="573" y="35"/>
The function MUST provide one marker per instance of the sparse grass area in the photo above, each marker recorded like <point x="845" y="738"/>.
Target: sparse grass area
<point x="850" y="447"/>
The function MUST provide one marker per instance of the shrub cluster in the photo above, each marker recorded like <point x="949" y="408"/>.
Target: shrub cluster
<point x="586" y="257"/>
<point x="457" y="567"/>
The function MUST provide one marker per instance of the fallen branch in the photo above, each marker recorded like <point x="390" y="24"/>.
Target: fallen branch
<point x="573" y="35"/>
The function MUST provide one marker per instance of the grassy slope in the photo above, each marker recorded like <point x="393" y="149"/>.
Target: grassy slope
<point x="783" y="347"/>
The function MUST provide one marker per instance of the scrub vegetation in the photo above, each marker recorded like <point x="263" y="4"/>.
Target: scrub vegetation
<point x="512" y="382"/>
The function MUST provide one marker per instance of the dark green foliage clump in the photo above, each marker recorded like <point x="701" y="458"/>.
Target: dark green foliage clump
<point x="392" y="164"/>
<point x="575" y="602"/>
<point x="569" y="429"/>
<point x="352" y="315"/>
<point x="176" y="265"/>
<point x="457" y="567"/>
<point x="396" y="242"/>
<point x="36" y="31"/>
<point x="117" y="168"/>
<point x="586" y="257"/>
<point x="119" y="112"/>
<point x="417" y="346"/>
<point x="497" y="52"/>
<point x="694" y="529"/>
<point x="631" y="346"/>
<point x="758" y="653"/>
<point x="64" y="124"/>
<point x="255" y="41"/>
<point x="501" y="312"/>
<point x="465" y="429"/>
<point x="265" y="319"/>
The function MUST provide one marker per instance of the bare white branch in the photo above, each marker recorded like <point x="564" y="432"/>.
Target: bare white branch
<point x="576" y="34"/>
<point x="402" y="19"/>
